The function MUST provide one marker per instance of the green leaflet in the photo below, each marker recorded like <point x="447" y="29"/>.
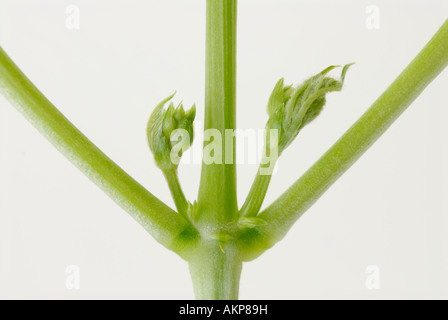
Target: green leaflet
<point x="292" y="108"/>
<point x="251" y="222"/>
<point x="163" y="126"/>
<point x="222" y="238"/>
<point x="192" y="210"/>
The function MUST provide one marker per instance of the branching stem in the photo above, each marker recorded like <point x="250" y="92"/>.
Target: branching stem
<point x="285" y="211"/>
<point x="166" y="226"/>
<point x="216" y="245"/>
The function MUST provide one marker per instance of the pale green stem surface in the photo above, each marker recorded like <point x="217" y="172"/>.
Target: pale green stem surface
<point x="176" y="191"/>
<point x="216" y="271"/>
<point x="255" y="198"/>
<point x="217" y="198"/>
<point x="284" y="212"/>
<point x="166" y="226"/>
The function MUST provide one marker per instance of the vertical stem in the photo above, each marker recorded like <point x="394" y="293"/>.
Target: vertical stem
<point x="215" y="273"/>
<point x="216" y="267"/>
<point x="217" y="198"/>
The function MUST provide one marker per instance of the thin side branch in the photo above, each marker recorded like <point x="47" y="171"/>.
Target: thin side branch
<point x="165" y="225"/>
<point x="177" y="193"/>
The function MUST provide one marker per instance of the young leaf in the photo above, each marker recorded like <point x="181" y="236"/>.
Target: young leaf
<point x="291" y="108"/>
<point x="251" y="222"/>
<point x="192" y="210"/>
<point x="222" y="238"/>
<point x="161" y="126"/>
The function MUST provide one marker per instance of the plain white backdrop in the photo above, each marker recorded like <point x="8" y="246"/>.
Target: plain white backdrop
<point x="389" y="211"/>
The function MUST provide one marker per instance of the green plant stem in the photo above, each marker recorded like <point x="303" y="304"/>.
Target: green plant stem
<point x="255" y="198"/>
<point x="217" y="200"/>
<point x="215" y="273"/>
<point x="176" y="191"/>
<point x="284" y="212"/>
<point x="166" y="226"/>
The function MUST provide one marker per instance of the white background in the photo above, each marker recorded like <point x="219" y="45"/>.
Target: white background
<point x="389" y="210"/>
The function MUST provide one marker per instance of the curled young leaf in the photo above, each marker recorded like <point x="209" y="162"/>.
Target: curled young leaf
<point x="170" y="132"/>
<point x="291" y="108"/>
